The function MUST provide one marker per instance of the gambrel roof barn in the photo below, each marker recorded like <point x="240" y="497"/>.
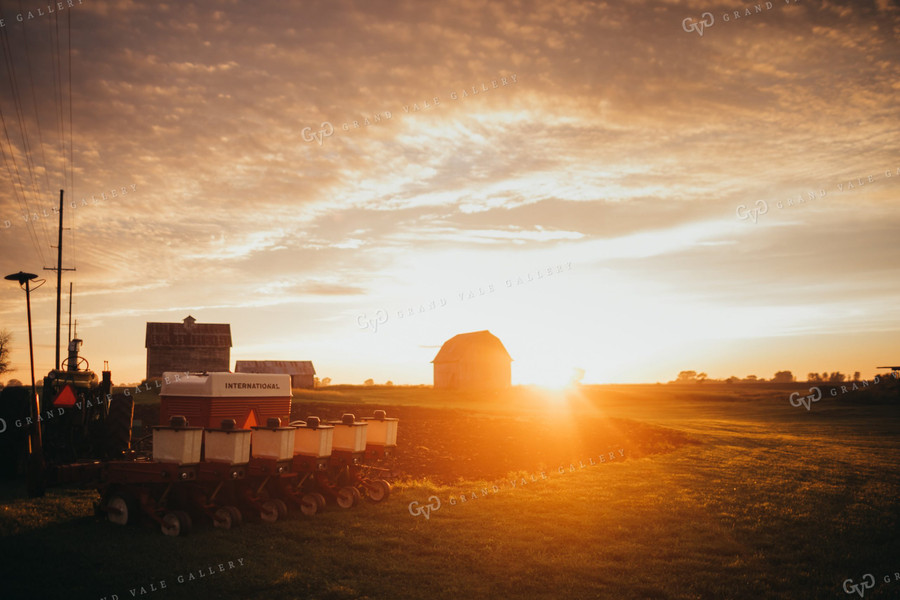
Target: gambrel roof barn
<point x="187" y="346"/>
<point x="302" y="372"/>
<point x="472" y="361"/>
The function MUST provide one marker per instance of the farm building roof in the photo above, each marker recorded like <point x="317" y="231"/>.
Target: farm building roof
<point x="188" y="333"/>
<point x="290" y="367"/>
<point x="463" y="344"/>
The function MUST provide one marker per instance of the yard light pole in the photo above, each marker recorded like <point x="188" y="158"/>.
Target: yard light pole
<point x="35" y="480"/>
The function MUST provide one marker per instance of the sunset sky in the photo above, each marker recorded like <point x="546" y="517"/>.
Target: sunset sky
<point x="648" y="167"/>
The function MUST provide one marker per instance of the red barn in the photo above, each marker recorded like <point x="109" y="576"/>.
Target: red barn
<point x="472" y="361"/>
<point x="187" y="346"/>
<point x="302" y="372"/>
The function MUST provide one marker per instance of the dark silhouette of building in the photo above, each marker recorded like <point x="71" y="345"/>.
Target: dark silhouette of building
<point x="472" y="361"/>
<point x="302" y="372"/>
<point x="187" y="346"/>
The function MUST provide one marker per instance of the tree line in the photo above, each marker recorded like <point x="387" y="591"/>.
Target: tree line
<point x="779" y="377"/>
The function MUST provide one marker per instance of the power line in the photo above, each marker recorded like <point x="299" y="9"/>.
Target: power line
<point x="17" y="103"/>
<point x="66" y="163"/>
<point x="14" y="172"/>
<point x="71" y="133"/>
<point x="37" y="116"/>
<point x="22" y="202"/>
<point x="61" y="106"/>
<point x="57" y="90"/>
<point x="71" y="119"/>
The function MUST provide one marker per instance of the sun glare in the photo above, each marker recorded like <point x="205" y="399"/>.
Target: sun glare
<point x="553" y="377"/>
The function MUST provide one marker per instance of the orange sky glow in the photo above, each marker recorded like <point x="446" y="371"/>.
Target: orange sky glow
<point x="353" y="183"/>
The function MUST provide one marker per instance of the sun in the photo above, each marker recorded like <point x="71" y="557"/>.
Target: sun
<point x="553" y="377"/>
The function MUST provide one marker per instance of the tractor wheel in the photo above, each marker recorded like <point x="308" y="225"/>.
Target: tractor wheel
<point x="309" y="505"/>
<point x="348" y="497"/>
<point x="223" y="518"/>
<point x="380" y="490"/>
<point x="282" y="508"/>
<point x="121" y="509"/>
<point x="237" y="519"/>
<point x="176" y="523"/>
<point x="320" y="499"/>
<point x="269" y="511"/>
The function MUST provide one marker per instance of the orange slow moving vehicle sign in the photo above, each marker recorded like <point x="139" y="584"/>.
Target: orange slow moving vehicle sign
<point x="65" y="397"/>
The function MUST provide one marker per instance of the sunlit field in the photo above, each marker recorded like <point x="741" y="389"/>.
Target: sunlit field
<point x="702" y="492"/>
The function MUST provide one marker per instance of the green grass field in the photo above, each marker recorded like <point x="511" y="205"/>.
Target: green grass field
<point x="773" y="501"/>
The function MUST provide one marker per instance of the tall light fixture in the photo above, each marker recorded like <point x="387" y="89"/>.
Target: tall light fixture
<point x="35" y="481"/>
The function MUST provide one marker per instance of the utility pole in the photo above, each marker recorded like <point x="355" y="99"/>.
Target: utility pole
<point x="70" y="311"/>
<point x="59" y="271"/>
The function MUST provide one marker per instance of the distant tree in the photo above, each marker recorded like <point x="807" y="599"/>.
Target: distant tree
<point x="733" y="379"/>
<point x="836" y="377"/>
<point x="326" y="381"/>
<point x="13" y="383"/>
<point x="687" y="376"/>
<point x="389" y="382"/>
<point x="369" y="382"/>
<point x="316" y="382"/>
<point x="701" y="377"/>
<point x="783" y="377"/>
<point x="751" y="378"/>
<point x="856" y="375"/>
<point x="813" y="377"/>
<point x="5" y="344"/>
<point x="577" y="376"/>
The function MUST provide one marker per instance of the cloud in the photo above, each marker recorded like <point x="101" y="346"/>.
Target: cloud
<point x="625" y="142"/>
